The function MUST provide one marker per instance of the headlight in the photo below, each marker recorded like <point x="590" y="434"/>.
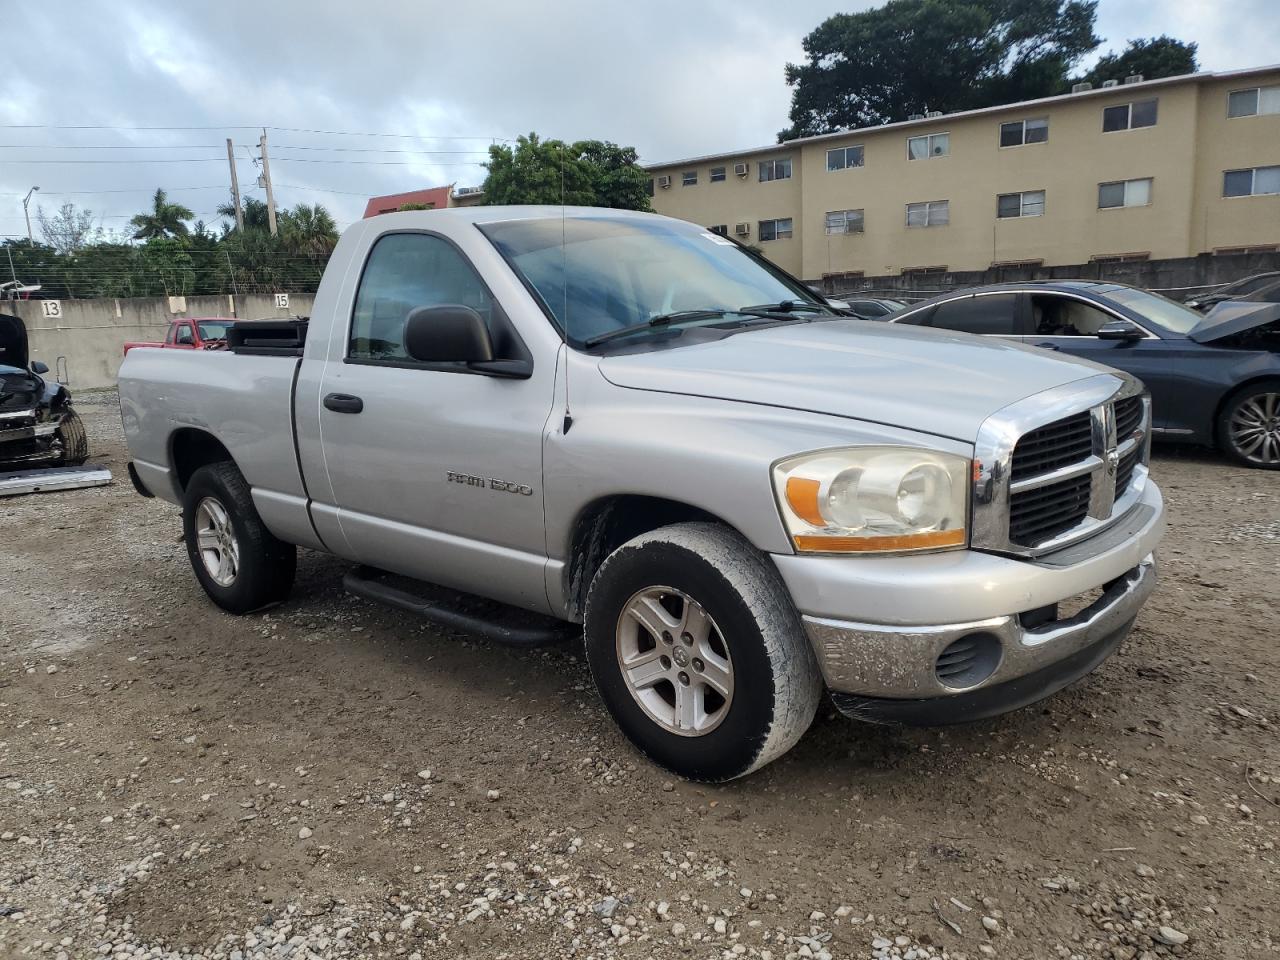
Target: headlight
<point x="869" y="499"/>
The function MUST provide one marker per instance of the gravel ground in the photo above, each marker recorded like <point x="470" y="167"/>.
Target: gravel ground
<point x="333" y="779"/>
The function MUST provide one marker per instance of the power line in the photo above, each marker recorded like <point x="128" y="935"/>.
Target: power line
<point x="256" y="126"/>
<point x="138" y="160"/>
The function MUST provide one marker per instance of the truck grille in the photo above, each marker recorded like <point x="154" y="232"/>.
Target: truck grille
<point x="1042" y="485"/>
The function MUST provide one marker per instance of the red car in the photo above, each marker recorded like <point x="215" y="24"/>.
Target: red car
<point x="196" y="333"/>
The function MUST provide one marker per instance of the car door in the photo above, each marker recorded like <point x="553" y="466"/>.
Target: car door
<point x="1070" y="324"/>
<point x="435" y="470"/>
<point x="994" y="314"/>
<point x="183" y="339"/>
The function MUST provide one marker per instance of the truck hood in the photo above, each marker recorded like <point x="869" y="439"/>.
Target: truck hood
<point x="931" y="381"/>
<point x="1234" y="316"/>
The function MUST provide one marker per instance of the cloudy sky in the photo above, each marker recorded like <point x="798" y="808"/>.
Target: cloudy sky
<point x="379" y="96"/>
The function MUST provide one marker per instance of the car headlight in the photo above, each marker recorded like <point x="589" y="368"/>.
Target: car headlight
<point x="874" y="499"/>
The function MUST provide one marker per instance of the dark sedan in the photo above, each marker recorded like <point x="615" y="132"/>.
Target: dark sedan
<point x="1212" y="381"/>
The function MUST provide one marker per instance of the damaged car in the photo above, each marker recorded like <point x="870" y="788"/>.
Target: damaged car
<point x="38" y="426"/>
<point x="1214" y="380"/>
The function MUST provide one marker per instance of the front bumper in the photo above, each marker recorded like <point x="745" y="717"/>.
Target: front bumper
<point x="878" y="626"/>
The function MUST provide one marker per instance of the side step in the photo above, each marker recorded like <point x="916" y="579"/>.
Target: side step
<point x="373" y="584"/>
<point x="17" y="482"/>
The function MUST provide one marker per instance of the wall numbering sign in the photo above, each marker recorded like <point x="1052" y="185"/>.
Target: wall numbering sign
<point x="52" y="308"/>
<point x="282" y="301"/>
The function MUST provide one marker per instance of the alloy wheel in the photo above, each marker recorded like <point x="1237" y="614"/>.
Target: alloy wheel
<point x="216" y="542"/>
<point x="1255" y="428"/>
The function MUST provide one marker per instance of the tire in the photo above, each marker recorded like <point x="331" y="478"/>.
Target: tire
<point x="74" y="439"/>
<point x="241" y="566"/>
<point x="1248" y="427"/>
<point x="706" y="577"/>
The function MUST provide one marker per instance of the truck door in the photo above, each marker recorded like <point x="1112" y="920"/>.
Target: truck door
<point x="435" y="470"/>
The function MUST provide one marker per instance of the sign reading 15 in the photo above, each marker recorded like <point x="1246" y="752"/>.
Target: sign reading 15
<point x="282" y="301"/>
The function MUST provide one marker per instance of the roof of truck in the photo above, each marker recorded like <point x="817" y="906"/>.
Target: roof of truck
<point x="483" y="214"/>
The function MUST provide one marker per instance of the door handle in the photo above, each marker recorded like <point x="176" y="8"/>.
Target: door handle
<point x="343" y="403"/>
<point x="1048" y="346"/>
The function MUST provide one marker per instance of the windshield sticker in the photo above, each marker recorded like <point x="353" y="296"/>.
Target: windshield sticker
<point x="716" y="238"/>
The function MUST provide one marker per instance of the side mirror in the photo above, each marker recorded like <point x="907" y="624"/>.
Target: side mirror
<point x="449" y="333"/>
<point x="39" y="366"/>
<point x="1120" y="330"/>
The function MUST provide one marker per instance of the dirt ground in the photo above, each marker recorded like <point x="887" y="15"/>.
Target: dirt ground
<point x="319" y="780"/>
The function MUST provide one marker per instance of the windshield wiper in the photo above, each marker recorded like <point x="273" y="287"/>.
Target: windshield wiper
<point x="661" y="320"/>
<point x="785" y="306"/>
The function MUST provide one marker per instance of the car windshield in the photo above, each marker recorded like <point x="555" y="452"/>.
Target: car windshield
<point x="599" y="274"/>
<point x="214" y="329"/>
<point x="1172" y="316"/>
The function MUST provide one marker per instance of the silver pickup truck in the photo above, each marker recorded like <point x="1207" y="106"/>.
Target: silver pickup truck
<point x="627" y="422"/>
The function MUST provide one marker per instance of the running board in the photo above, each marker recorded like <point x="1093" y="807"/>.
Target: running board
<point x="367" y="582"/>
<point x="17" y="482"/>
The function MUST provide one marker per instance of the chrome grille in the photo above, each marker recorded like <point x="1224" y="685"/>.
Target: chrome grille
<point x="1060" y="466"/>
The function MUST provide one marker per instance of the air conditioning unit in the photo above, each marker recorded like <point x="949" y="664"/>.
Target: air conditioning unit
<point x="916" y="116"/>
<point x="1108" y="84"/>
<point x="933" y="113"/>
<point x="1133" y="78"/>
<point x="741" y="169"/>
<point x="742" y="229"/>
<point x="664" y="182"/>
<point x="467" y="191"/>
<point x="1081" y="87"/>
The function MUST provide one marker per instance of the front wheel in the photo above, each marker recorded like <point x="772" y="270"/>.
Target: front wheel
<point x="237" y="560"/>
<point x="698" y="652"/>
<point x="1249" y="426"/>
<point x="73" y="439"/>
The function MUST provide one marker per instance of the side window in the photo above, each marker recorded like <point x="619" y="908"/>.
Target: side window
<point x="989" y="314"/>
<point x="183" y="335"/>
<point x="1065" y="317"/>
<point x="404" y="271"/>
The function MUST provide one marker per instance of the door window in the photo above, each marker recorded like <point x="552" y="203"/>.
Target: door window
<point x="405" y="271"/>
<point x="1064" y="317"/>
<point x="995" y="314"/>
<point x="183" y="335"/>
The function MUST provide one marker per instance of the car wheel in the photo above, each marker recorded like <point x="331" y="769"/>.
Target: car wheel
<point x="237" y="560"/>
<point x="699" y="653"/>
<point x="1249" y="426"/>
<point x="73" y="439"/>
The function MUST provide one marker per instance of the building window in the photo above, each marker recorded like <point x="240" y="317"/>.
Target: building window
<point x="1121" y="257"/>
<point x="689" y="178"/>
<point x="775" y="169"/>
<point x="775" y="229"/>
<point x="1018" y="132"/>
<point x="1124" y="193"/>
<point x="1231" y="251"/>
<point x="717" y="174"/>
<point x="1251" y="103"/>
<point x="1255" y="182"/>
<point x="1129" y="116"/>
<point x="925" y="148"/>
<point x="722" y="229"/>
<point x="842" y="158"/>
<point x="1029" y="203"/>
<point x="844" y="221"/>
<point x="931" y="213"/>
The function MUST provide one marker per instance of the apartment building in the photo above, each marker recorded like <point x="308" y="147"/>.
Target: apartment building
<point x="1132" y="170"/>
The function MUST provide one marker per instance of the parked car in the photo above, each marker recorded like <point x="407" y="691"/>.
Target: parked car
<point x="38" y="426"/>
<point x="1241" y="288"/>
<point x="197" y="333"/>
<point x="1211" y="383"/>
<point x="624" y="421"/>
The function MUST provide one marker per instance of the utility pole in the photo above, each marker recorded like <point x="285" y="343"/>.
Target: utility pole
<point x="27" y="213"/>
<point x="266" y="181"/>
<point x="235" y="186"/>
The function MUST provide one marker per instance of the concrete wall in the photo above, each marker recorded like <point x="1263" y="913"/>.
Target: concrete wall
<point x="89" y="336"/>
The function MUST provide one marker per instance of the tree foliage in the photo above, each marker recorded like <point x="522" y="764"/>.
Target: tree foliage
<point x="913" y="56"/>
<point x="590" y="173"/>
<point x="174" y="259"/>
<point x="1158" y="57"/>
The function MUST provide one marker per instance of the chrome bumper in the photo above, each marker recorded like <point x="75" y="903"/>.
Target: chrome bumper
<point x="900" y="662"/>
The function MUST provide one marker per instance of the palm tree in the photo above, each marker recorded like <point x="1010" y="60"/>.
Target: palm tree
<point x="255" y="213"/>
<point x="164" y="219"/>
<point x="309" y="228"/>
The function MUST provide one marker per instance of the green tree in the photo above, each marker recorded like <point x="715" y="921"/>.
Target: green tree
<point x="591" y="173"/>
<point x="309" y="229"/>
<point x="1158" y="57"/>
<point x="913" y="56"/>
<point x="255" y="213"/>
<point x="164" y="219"/>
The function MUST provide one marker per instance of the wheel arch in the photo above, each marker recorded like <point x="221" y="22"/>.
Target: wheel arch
<point x="605" y="524"/>
<point x="1225" y="400"/>
<point x="191" y="448"/>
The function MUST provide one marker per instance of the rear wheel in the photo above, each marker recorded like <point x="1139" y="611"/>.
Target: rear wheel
<point x="74" y="440"/>
<point x="1249" y="426"/>
<point x="699" y="653"/>
<point x="237" y="560"/>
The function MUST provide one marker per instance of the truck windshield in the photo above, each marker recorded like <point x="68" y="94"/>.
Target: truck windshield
<point x="214" y="329"/>
<point x="600" y="274"/>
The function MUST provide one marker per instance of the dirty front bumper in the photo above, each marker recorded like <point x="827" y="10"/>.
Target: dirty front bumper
<point x="950" y="637"/>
